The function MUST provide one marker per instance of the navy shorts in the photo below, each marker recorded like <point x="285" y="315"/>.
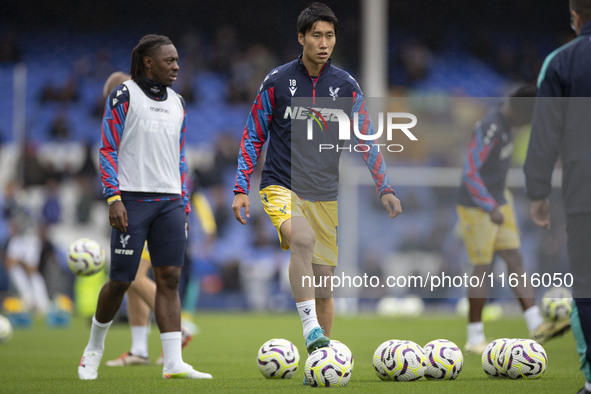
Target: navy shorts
<point x="161" y="222"/>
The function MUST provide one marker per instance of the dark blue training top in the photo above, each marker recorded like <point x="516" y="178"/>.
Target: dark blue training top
<point x="291" y="160"/>
<point x="487" y="162"/>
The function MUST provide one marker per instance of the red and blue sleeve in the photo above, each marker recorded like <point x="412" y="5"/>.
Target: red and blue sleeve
<point x="478" y="151"/>
<point x="183" y="168"/>
<point x="254" y="136"/>
<point x="111" y="131"/>
<point x="373" y="157"/>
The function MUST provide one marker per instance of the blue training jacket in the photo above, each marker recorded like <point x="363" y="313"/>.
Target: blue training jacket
<point x="291" y="160"/>
<point x="487" y="162"/>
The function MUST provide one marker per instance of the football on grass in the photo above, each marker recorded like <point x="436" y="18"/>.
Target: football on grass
<point x="525" y="359"/>
<point x="328" y="367"/>
<point x="444" y="360"/>
<point x="404" y="361"/>
<point x="278" y="359"/>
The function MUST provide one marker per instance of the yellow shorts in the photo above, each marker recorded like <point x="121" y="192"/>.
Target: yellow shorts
<point x="282" y="204"/>
<point x="482" y="237"/>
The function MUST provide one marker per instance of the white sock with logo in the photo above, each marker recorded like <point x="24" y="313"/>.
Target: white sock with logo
<point x="533" y="317"/>
<point x="139" y="341"/>
<point x="307" y="312"/>
<point x="475" y="333"/>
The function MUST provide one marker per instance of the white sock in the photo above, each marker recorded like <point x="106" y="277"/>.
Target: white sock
<point x="533" y="317"/>
<point x="307" y="312"/>
<point x="588" y="386"/>
<point x="40" y="292"/>
<point x="98" y="333"/>
<point x="20" y="280"/>
<point x="139" y="341"/>
<point x="171" y="350"/>
<point x="475" y="333"/>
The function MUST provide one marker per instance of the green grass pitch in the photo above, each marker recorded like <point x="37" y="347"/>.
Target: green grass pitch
<point x="44" y="360"/>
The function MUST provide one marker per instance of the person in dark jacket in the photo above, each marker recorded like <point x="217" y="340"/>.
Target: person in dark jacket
<point x="562" y="125"/>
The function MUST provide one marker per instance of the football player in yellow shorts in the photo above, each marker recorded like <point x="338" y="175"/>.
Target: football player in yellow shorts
<point x="299" y="188"/>
<point x="486" y="214"/>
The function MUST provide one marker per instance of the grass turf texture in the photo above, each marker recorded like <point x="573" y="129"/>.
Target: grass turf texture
<point x="45" y="360"/>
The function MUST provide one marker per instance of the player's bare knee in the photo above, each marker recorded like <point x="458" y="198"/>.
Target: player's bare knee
<point x="513" y="259"/>
<point x="303" y="241"/>
<point x="117" y="286"/>
<point x="167" y="278"/>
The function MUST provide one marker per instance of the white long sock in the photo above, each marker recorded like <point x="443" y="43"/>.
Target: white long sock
<point x="533" y="317"/>
<point x="307" y="312"/>
<point x="139" y="341"/>
<point x="588" y="386"/>
<point x="475" y="333"/>
<point x="40" y="292"/>
<point x="98" y="333"/>
<point x="171" y="350"/>
<point x="20" y="280"/>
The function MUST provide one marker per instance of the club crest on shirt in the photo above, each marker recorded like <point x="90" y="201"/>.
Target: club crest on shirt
<point x="334" y="93"/>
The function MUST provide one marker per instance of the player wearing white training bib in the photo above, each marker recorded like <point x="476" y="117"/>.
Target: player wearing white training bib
<point x="143" y="169"/>
<point x="150" y="146"/>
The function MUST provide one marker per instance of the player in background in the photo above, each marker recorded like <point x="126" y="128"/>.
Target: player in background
<point x="305" y="218"/>
<point x="143" y="171"/>
<point x="142" y="291"/>
<point x="561" y="126"/>
<point x="486" y="213"/>
<point x="23" y="251"/>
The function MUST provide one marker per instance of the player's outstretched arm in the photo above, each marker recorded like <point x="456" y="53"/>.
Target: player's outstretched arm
<point x="241" y="201"/>
<point x="392" y="205"/>
<point x="539" y="211"/>
<point x="373" y="157"/>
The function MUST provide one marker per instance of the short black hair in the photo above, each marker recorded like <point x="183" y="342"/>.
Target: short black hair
<point x="145" y="47"/>
<point x="316" y="12"/>
<point x="582" y="8"/>
<point x="522" y="101"/>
